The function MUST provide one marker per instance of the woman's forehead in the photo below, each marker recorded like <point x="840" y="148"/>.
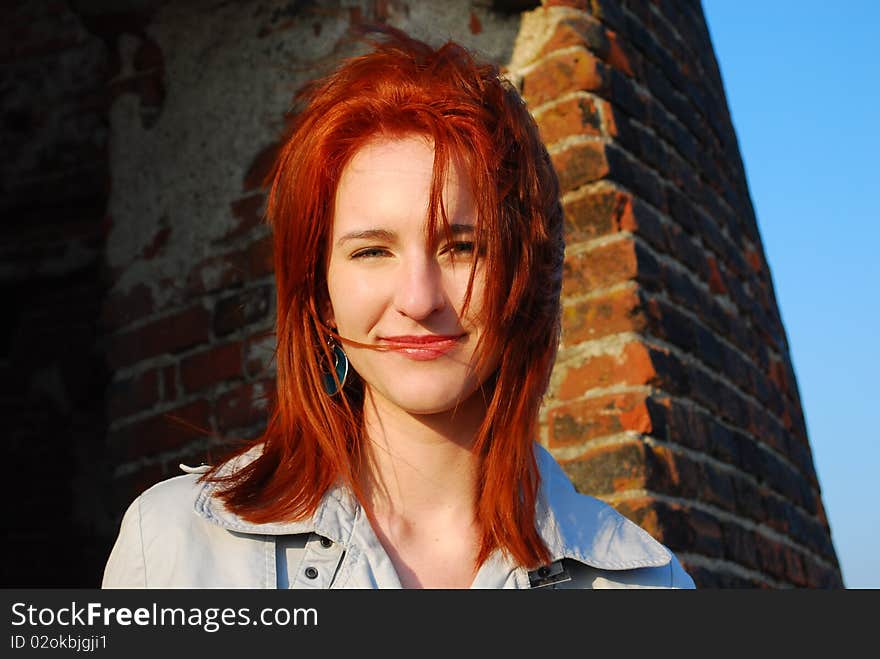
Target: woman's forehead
<point x="389" y="180"/>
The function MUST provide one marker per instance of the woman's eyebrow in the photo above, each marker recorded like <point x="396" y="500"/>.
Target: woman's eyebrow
<point x="367" y="234"/>
<point x="388" y="236"/>
<point x="461" y="228"/>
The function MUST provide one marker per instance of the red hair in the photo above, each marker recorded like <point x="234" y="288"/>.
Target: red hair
<point x="474" y="116"/>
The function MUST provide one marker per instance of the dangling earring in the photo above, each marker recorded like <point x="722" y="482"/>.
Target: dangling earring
<point x="340" y="368"/>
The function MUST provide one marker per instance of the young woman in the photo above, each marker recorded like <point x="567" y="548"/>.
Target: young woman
<point x="418" y="258"/>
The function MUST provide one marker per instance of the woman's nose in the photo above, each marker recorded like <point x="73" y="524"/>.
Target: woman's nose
<point x="419" y="289"/>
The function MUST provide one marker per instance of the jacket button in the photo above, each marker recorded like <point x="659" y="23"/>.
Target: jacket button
<point x="326" y="543"/>
<point x="312" y="573"/>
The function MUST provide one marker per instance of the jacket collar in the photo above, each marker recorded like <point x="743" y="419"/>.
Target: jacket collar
<point x="572" y="525"/>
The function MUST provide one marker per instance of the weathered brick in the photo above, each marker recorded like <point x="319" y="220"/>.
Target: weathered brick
<point x="679" y="527"/>
<point x="794" y="567"/>
<point x="614" y="312"/>
<point x="218" y="272"/>
<point x="597" y="213"/>
<point x="740" y="545"/>
<point x="608" y="469"/>
<point x="236" y="311"/>
<point x="609" y="12"/>
<point x="212" y="366"/>
<point x="634" y="365"/>
<point x="601" y="267"/>
<point x="717" y="488"/>
<point x="123" y="308"/>
<point x="573" y="116"/>
<point x="771" y="557"/>
<point x="581" y="30"/>
<point x="243" y="406"/>
<point x="170" y="334"/>
<point x="140" y="392"/>
<point x="635" y="176"/>
<point x="169" y="382"/>
<point x="570" y="71"/>
<point x="167" y="431"/>
<point x="260" y="257"/>
<point x="580" y="164"/>
<point x="820" y="576"/>
<point x="578" y="421"/>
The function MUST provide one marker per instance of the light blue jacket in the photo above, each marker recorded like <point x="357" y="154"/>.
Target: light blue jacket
<point x="177" y="535"/>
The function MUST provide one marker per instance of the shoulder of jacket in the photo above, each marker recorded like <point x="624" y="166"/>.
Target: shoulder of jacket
<point x="583" y="528"/>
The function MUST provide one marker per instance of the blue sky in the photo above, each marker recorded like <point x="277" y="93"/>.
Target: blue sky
<point x="802" y="80"/>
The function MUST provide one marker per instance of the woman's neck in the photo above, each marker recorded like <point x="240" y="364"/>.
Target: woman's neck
<point x="421" y="485"/>
<point x="421" y="467"/>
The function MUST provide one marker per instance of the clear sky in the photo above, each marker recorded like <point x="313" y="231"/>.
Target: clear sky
<point x="802" y="79"/>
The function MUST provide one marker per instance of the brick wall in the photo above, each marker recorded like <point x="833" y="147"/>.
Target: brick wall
<point x="150" y="300"/>
<point x="674" y="396"/>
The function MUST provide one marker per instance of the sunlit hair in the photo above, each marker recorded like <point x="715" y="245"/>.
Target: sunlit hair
<point x="473" y="116"/>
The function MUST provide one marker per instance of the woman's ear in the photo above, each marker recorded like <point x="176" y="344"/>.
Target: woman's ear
<point x="327" y="316"/>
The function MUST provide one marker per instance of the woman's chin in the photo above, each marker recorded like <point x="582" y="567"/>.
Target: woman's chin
<point x="425" y="400"/>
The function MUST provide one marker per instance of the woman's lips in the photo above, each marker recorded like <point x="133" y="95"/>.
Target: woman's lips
<point x="421" y="348"/>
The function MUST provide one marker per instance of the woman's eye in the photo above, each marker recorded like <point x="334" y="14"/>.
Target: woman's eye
<point x="369" y="252"/>
<point x="460" y="247"/>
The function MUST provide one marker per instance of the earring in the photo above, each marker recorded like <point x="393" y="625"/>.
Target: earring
<point x="329" y="379"/>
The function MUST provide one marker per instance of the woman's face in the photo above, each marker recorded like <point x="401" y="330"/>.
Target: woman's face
<point x="393" y="286"/>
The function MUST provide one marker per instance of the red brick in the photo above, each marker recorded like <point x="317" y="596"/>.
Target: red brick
<point x="211" y="367"/>
<point x="580" y="164"/>
<point x="621" y="56"/>
<point x="474" y="24"/>
<point x="794" y="567"/>
<point x="133" y="394"/>
<point x="575" y="422"/>
<point x="169" y="383"/>
<point x="608" y="469"/>
<point x="575" y="4"/>
<point x="616" y="311"/>
<point x="596" y="214"/>
<point x="635" y="365"/>
<point x="716" y="280"/>
<point x="243" y="308"/>
<point x="581" y="30"/>
<point x="568" y="72"/>
<point x="755" y="259"/>
<point x="244" y="406"/>
<point x="598" y="268"/>
<point x="120" y="309"/>
<point x="170" y="334"/>
<point x="820" y="576"/>
<point x="261" y="257"/>
<point x="635" y="466"/>
<point x="740" y="545"/>
<point x="168" y="431"/>
<point x="574" y="116"/>
<point x="678" y="526"/>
